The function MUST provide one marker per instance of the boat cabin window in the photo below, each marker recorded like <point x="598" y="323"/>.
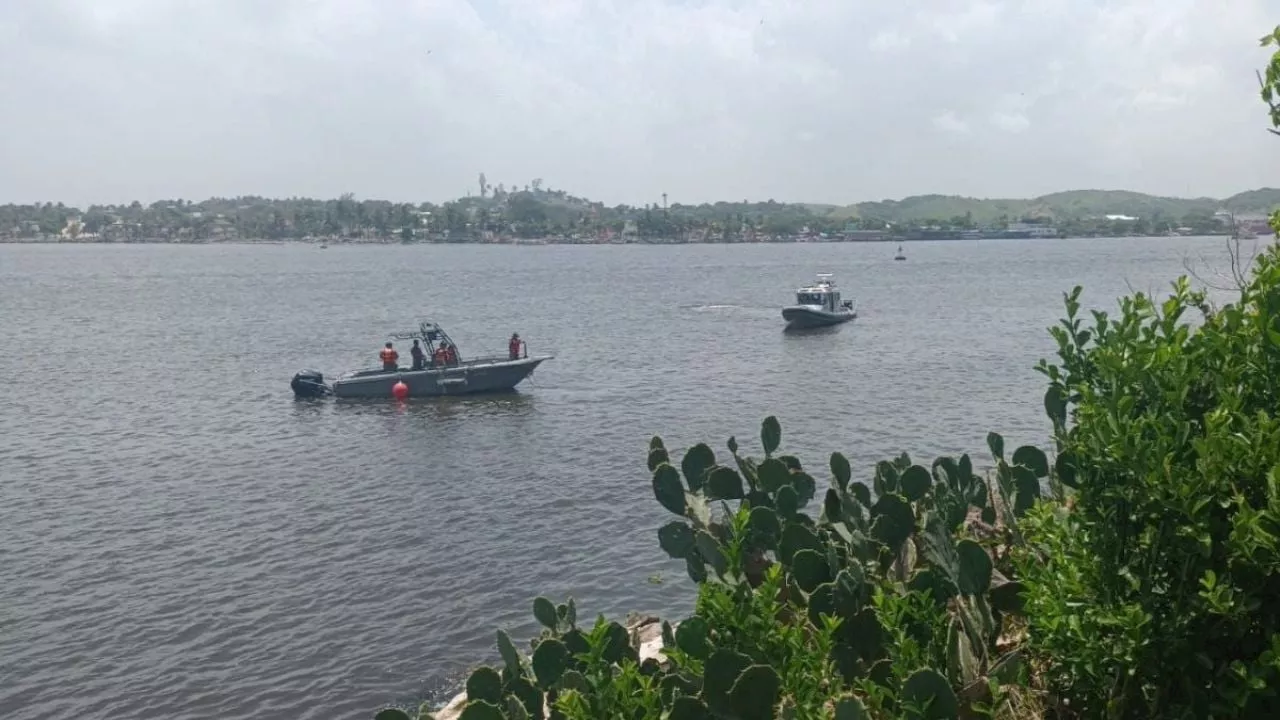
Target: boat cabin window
<point x="810" y="299"/>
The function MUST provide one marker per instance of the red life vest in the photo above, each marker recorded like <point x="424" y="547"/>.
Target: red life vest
<point x="388" y="355"/>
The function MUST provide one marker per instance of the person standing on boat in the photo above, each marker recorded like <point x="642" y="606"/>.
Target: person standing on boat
<point x="440" y="356"/>
<point x="419" y="357"/>
<point x="389" y="356"/>
<point x="513" y="347"/>
<point x="450" y="354"/>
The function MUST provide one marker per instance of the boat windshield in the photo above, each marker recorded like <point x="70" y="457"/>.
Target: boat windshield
<point x="810" y="299"/>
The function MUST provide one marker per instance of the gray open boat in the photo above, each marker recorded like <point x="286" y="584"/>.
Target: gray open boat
<point x="818" y="305"/>
<point x="465" y="376"/>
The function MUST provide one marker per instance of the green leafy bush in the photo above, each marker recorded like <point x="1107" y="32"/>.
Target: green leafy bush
<point x="1155" y="594"/>
<point x="893" y="600"/>
<point x="1270" y="80"/>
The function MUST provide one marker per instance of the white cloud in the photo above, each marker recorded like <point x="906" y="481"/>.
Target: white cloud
<point x="1153" y="98"/>
<point x="889" y="40"/>
<point x="955" y="21"/>
<point x="1010" y="122"/>
<point x="411" y="99"/>
<point x="949" y="122"/>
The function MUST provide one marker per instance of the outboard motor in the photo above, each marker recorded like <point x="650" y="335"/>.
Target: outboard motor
<point x="309" y="384"/>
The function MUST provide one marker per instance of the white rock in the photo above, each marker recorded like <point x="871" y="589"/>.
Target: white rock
<point x="646" y="634"/>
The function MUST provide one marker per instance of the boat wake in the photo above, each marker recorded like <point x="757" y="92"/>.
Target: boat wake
<point x="743" y="312"/>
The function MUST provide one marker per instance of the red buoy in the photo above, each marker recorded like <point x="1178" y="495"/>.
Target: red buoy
<point x="400" y="391"/>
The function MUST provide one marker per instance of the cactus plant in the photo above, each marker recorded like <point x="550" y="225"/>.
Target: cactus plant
<point x="709" y="550"/>
<point x="773" y="475"/>
<point x="995" y="443"/>
<point x="668" y="489"/>
<point x="893" y="520"/>
<point x="691" y="638"/>
<point x="481" y="710"/>
<point x="886" y="478"/>
<point x="617" y="644"/>
<point x="516" y="710"/>
<point x="697" y="461"/>
<point x="770" y="435"/>
<point x="796" y="537"/>
<point x="544" y="611"/>
<point x="930" y="696"/>
<point x="510" y="656"/>
<point x="724" y="484"/>
<point x="974" y="568"/>
<point x="722" y="670"/>
<point x="810" y="569"/>
<point x="962" y="664"/>
<point x="524" y="692"/>
<point x="847" y="585"/>
<point x="657" y="456"/>
<point x="841" y="471"/>
<point x="915" y="482"/>
<point x="755" y="693"/>
<point x="484" y="684"/>
<point x="676" y="539"/>
<point x="766" y="530"/>
<point x="787" y="501"/>
<point x="550" y="660"/>
<point x="1032" y="458"/>
<point x="850" y="708"/>
<point x="688" y="708"/>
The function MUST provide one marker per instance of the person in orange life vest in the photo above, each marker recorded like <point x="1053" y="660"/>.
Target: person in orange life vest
<point x="450" y="354"/>
<point x="513" y="347"/>
<point x="389" y="356"/>
<point x="419" y="357"/>
<point x="440" y="356"/>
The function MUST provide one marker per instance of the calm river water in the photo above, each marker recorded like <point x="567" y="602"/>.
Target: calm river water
<point x="179" y="537"/>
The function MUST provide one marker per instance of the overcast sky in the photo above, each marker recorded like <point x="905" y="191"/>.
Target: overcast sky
<point x="621" y="100"/>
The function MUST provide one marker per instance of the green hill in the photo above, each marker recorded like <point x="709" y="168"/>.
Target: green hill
<point x="1070" y="205"/>
<point x="1258" y="200"/>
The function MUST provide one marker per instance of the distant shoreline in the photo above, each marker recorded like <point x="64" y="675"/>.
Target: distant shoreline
<point x="652" y="241"/>
<point x="537" y="215"/>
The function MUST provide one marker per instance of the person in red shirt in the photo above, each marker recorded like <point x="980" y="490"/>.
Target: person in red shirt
<point x="513" y="347"/>
<point x="450" y="354"/>
<point x="389" y="357"/>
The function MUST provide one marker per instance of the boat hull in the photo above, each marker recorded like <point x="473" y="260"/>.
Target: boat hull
<point x="800" y="317"/>
<point x="469" y="378"/>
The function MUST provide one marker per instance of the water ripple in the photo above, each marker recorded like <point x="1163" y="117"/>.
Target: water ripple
<point x="179" y="537"/>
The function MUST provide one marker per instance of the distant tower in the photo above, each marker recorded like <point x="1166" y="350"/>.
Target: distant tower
<point x="664" y="202"/>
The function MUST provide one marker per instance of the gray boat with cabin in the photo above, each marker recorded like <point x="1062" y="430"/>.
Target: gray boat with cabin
<point x="818" y="305"/>
<point x="460" y="376"/>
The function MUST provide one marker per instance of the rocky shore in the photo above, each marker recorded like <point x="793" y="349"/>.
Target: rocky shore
<point x="646" y="636"/>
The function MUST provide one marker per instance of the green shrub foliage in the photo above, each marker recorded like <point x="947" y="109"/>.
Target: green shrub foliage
<point x="887" y="598"/>
<point x="1155" y="594"/>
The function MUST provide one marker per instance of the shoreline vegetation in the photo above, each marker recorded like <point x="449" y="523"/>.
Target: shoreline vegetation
<point x="536" y="215"/>
<point x="1131" y="572"/>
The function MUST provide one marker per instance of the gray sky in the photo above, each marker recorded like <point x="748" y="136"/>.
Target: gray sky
<point x="620" y="100"/>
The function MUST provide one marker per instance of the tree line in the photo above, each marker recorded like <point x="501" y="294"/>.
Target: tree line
<point x="537" y="211"/>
